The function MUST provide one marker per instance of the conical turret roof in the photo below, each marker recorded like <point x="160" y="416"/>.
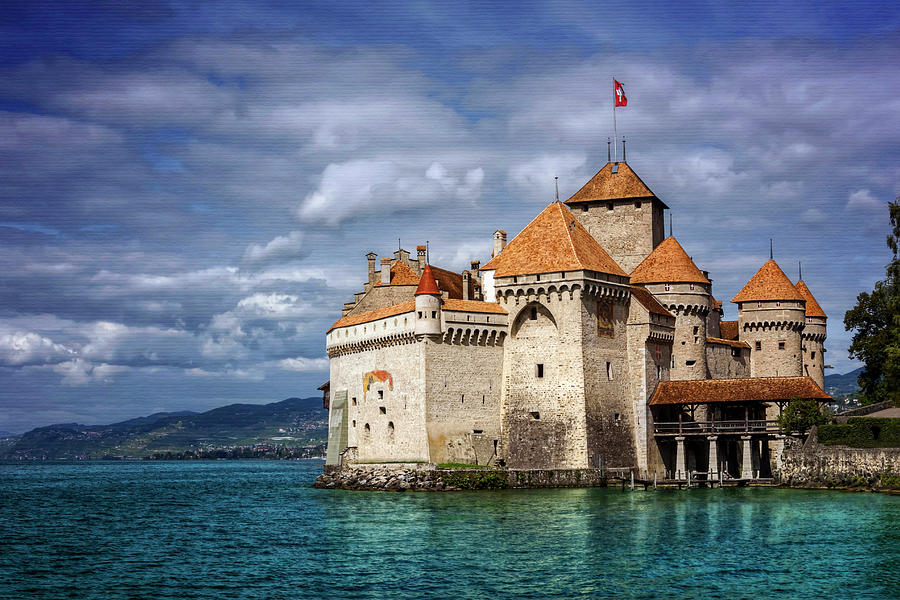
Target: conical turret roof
<point x="668" y="263"/>
<point x="812" y="307"/>
<point x="615" y="181"/>
<point x="427" y="284"/>
<point x="553" y="241"/>
<point x="769" y="283"/>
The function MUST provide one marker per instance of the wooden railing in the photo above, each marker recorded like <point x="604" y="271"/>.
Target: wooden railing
<point x="716" y="427"/>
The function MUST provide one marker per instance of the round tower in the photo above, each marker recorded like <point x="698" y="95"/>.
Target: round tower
<point x="813" y="337"/>
<point x="771" y="319"/>
<point x="428" y="305"/>
<point x="675" y="281"/>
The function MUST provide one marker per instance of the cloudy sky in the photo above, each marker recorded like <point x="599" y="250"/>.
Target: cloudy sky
<point x="188" y="189"/>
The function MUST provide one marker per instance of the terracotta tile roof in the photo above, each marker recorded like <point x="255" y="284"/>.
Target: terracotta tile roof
<point x="732" y="343"/>
<point x="749" y="389"/>
<point x="668" y="263"/>
<point x="606" y="185"/>
<point x="374" y="315"/>
<point x="473" y="306"/>
<point x="769" y="283"/>
<point x="812" y="307"/>
<point x="729" y="330"/>
<point x="427" y="284"/>
<point x="450" y="282"/>
<point x="402" y="274"/>
<point x="649" y="302"/>
<point x="553" y="241"/>
<point x="717" y="304"/>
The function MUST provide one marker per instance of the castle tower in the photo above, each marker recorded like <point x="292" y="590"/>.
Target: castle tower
<point x="621" y="212"/>
<point x="771" y="318"/>
<point x="675" y="281"/>
<point x="566" y="396"/>
<point x="813" y="337"/>
<point x="428" y="305"/>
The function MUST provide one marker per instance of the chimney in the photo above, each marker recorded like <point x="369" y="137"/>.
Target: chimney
<point x="371" y="256"/>
<point x="476" y="264"/>
<point x="421" y="252"/>
<point x="499" y="242"/>
<point x="467" y="281"/>
<point x="385" y="271"/>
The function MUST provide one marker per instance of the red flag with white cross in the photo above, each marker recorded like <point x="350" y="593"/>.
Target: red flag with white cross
<point x="621" y="100"/>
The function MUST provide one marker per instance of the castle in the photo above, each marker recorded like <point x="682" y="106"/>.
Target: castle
<point x="589" y="340"/>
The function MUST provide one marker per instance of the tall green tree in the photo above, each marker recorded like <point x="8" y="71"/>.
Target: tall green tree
<point x="876" y="323"/>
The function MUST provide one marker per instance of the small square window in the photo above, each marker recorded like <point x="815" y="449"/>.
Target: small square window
<point x="781" y="345"/>
<point x="759" y="345"/>
<point x="382" y="410"/>
<point x="609" y="206"/>
<point x="637" y="204"/>
<point x="433" y="314"/>
<point x="584" y="208"/>
<point x="380" y="394"/>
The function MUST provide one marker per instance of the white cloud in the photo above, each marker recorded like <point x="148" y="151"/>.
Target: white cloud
<point x="863" y="200"/>
<point x="304" y="364"/>
<point x="281" y="248"/>
<point x="28" y="348"/>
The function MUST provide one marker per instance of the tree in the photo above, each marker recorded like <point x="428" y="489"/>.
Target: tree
<point x="800" y="415"/>
<point x="876" y="321"/>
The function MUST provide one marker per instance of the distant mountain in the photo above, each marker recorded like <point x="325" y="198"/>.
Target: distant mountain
<point x="842" y="384"/>
<point x="4" y="434"/>
<point x="295" y="422"/>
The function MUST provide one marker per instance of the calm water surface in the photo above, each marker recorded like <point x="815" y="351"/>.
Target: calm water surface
<point x="255" y="529"/>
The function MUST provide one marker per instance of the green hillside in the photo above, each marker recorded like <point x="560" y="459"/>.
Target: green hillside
<point x="291" y="423"/>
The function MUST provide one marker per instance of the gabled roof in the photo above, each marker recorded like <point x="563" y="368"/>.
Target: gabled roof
<point x="728" y="330"/>
<point x="769" y="283"/>
<point x="668" y="263"/>
<point x="606" y="185"/>
<point x="649" y="302"/>
<point x="427" y="284"/>
<point x="553" y="241"/>
<point x="745" y="389"/>
<point x="402" y="274"/>
<point x="724" y="342"/>
<point x="812" y="307"/>
<point x="374" y="315"/>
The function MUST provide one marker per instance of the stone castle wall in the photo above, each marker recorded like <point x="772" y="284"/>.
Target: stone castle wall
<point x="814" y="350"/>
<point x="812" y="464"/>
<point x="727" y="362"/>
<point x="629" y="232"/>
<point x="690" y="303"/>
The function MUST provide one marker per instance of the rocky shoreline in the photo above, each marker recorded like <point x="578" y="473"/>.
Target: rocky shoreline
<point x="383" y="479"/>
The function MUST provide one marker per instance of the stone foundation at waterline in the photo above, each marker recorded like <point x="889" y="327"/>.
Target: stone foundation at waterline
<point x="428" y="478"/>
<point x="814" y="465"/>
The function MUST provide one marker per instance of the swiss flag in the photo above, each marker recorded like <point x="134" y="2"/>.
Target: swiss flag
<point x="621" y="100"/>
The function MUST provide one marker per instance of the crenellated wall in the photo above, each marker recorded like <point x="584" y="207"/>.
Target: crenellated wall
<point x="690" y="303"/>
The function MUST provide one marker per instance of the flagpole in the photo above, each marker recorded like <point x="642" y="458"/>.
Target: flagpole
<point x="615" y="131"/>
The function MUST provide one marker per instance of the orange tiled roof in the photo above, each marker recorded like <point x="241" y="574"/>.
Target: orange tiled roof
<point x="475" y="306"/>
<point x="724" y="342"/>
<point x="450" y="282"/>
<point x="553" y="241"/>
<point x="668" y="263"/>
<point x="606" y="185"/>
<point x="374" y="315"/>
<point x="717" y="304"/>
<point x="812" y="307"/>
<point x="729" y="330"/>
<point x="769" y="283"/>
<point x="402" y="274"/>
<point x="427" y="285"/>
<point x="748" y="389"/>
<point x="649" y="302"/>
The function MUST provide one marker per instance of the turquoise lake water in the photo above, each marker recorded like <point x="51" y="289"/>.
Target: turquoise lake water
<point x="256" y="530"/>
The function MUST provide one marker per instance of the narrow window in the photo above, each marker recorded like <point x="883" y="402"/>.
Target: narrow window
<point x="759" y="305"/>
<point x="812" y="355"/>
<point x="759" y="345"/>
<point x="778" y="303"/>
<point x="515" y="279"/>
<point x="673" y="361"/>
<point x="696" y="329"/>
<point x="658" y="372"/>
<point x="781" y="345"/>
<point x="609" y="373"/>
<point x="667" y="287"/>
<point x="539" y="370"/>
<point x="462" y="399"/>
<point x="489" y="319"/>
<point x="433" y="314"/>
<point x="368" y="429"/>
<point x="353" y="401"/>
<point x="354" y="422"/>
<point x="482" y="399"/>
<point x="533" y="316"/>
<point x="380" y="394"/>
<point x="382" y="410"/>
<point x="537" y="277"/>
<point x="420" y="314"/>
<point x="609" y="206"/>
<point x="390" y="431"/>
<point x="692" y="286"/>
<point x="468" y="317"/>
<point x="617" y="417"/>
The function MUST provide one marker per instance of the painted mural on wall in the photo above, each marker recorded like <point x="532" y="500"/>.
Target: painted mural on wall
<point x="605" y="325"/>
<point x="373" y="376"/>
